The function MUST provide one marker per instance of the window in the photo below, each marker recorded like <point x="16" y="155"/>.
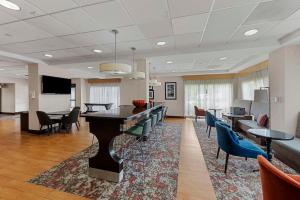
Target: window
<point x="208" y="94"/>
<point x="105" y="93"/>
<point x="253" y="82"/>
<point x="73" y="96"/>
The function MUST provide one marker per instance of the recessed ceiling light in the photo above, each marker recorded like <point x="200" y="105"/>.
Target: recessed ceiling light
<point x="173" y="71"/>
<point x="169" y="62"/>
<point x="1" y="69"/>
<point x="223" y="58"/>
<point x="97" y="51"/>
<point x="49" y="55"/>
<point x="9" y="5"/>
<point x="251" y="32"/>
<point x="90" y="67"/>
<point x="161" y="43"/>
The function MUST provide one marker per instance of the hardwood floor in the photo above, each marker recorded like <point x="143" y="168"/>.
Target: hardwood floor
<point x="23" y="156"/>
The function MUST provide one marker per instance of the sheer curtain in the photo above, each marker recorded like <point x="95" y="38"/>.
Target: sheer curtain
<point x="208" y="94"/>
<point x="253" y="82"/>
<point x="105" y="93"/>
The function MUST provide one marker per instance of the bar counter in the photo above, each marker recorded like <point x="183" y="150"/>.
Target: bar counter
<point x="106" y="125"/>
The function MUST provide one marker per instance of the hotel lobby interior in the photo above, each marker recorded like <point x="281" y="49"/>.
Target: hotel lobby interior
<point x="149" y="99"/>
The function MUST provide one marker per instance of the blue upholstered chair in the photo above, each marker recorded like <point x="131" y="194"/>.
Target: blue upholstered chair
<point x="229" y="142"/>
<point x="210" y="121"/>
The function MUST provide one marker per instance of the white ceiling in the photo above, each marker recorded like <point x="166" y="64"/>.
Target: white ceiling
<point x="197" y="32"/>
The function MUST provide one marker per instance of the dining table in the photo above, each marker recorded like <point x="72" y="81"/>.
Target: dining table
<point x="62" y="115"/>
<point x="270" y="135"/>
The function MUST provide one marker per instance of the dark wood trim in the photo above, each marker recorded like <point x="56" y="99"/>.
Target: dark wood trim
<point x="10" y="113"/>
<point x="180" y="117"/>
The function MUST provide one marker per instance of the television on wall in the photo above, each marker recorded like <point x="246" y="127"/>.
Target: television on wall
<point x="55" y="85"/>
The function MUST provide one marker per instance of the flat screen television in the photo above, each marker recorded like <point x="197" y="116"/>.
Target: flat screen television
<point x="55" y="85"/>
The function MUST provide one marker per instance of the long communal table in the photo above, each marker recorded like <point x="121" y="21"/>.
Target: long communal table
<point x="106" y="125"/>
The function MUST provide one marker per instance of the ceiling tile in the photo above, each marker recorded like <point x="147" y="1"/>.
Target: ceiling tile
<point x="223" y="23"/>
<point x="179" y="8"/>
<point x="220" y="4"/>
<point x="156" y="10"/>
<point x="88" y="2"/>
<point x="20" y="32"/>
<point x="53" y="5"/>
<point x="262" y="28"/>
<point x="140" y="45"/>
<point x="48" y="44"/>
<point x="283" y="28"/>
<point x="190" y="40"/>
<point x="77" y="19"/>
<point x="129" y="33"/>
<point x="109" y="15"/>
<point x="156" y="29"/>
<point x="27" y="10"/>
<point x="273" y="11"/>
<point x="189" y="24"/>
<point x="6" y="18"/>
<point x="51" y="25"/>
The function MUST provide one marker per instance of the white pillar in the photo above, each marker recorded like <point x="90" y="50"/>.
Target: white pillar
<point x="284" y="69"/>
<point x="34" y="97"/>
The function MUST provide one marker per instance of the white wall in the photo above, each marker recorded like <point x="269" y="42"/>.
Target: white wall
<point x="135" y="89"/>
<point x="175" y="107"/>
<point x="8" y="98"/>
<point x="19" y="100"/>
<point x="44" y="102"/>
<point x="284" y="70"/>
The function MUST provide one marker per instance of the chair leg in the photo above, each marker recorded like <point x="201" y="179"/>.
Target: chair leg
<point x="196" y="118"/>
<point x="209" y="131"/>
<point x="226" y="162"/>
<point x="246" y="158"/>
<point x="218" y="152"/>
<point x="206" y="128"/>
<point x="77" y="126"/>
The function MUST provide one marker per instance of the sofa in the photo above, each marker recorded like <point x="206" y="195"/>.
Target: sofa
<point x="245" y="125"/>
<point x="289" y="151"/>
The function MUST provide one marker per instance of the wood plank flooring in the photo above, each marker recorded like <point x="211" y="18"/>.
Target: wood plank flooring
<point x="23" y="156"/>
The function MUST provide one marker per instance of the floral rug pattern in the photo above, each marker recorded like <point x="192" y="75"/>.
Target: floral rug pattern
<point x="155" y="180"/>
<point x="240" y="182"/>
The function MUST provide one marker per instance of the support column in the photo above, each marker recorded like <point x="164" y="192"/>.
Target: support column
<point x="34" y="91"/>
<point x="284" y="69"/>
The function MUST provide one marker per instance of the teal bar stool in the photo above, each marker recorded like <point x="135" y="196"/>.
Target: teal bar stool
<point x="139" y="131"/>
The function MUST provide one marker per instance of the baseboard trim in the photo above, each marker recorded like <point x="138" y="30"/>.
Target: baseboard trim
<point x="10" y="113"/>
<point x="180" y="117"/>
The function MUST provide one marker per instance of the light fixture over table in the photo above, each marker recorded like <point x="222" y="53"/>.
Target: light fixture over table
<point x="115" y="68"/>
<point x="135" y="74"/>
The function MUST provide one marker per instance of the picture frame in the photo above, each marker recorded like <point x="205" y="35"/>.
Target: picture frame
<point x="151" y="94"/>
<point x="170" y="90"/>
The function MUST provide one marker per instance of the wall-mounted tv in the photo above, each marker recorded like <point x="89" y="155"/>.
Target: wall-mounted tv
<point x="55" y="85"/>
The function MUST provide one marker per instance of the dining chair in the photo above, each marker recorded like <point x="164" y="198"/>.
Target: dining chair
<point x="231" y="144"/>
<point x="199" y="112"/>
<point x="276" y="184"/>
<point x="77" y="108"/>
<point x="210" y="121"/>
<point x="71" y="119"/>
<point x="45" y="120"/>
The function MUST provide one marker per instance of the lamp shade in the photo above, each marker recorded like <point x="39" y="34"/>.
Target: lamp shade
<point x="137" y="75"/>
<point x="154" y="83"/>
<point x="115" y="68"/>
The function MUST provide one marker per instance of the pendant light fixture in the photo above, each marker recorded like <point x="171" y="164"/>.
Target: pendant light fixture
<point x="115" y="68"/>
<point x="136" y="75"/>
<point x="153" y="82"/>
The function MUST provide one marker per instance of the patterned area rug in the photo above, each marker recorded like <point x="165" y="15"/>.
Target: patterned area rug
<point x="240" y="182"/>
<point x="156" y="179"/>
